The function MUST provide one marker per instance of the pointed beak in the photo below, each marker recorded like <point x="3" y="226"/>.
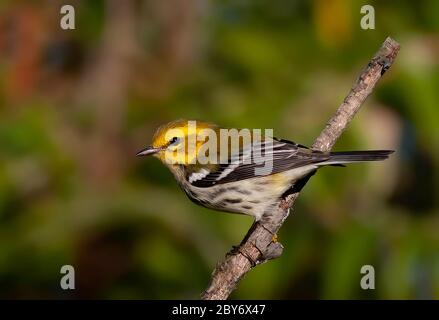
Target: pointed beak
<point x="147" y="151"/>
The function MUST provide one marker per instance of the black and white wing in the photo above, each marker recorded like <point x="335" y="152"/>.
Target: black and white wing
<point x="261" y="158"/>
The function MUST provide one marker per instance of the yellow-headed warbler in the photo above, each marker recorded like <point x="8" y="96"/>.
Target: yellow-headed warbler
<point x="242" y="171"/>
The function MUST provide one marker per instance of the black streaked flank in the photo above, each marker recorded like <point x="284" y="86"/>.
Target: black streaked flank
<point x="232" y="200"/>
<point x="241" y="191"/>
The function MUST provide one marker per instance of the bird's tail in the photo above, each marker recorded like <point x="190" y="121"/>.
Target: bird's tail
<point x="357" y="156"/>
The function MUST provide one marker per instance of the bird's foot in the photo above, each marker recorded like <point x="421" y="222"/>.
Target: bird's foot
<point x="272" y="251"/>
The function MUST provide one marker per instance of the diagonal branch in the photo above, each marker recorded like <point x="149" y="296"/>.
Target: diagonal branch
<point x="258" y="245"/>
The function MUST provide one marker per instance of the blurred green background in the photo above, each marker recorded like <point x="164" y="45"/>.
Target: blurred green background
<point x="76" y="105"/>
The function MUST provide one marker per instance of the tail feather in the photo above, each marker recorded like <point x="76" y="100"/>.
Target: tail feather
<point x="357" y="156"/>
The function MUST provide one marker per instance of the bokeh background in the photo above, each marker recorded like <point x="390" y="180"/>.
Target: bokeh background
<point x="76" y="105"/>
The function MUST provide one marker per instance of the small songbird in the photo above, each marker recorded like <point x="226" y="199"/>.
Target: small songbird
<point x="243" y="175"/>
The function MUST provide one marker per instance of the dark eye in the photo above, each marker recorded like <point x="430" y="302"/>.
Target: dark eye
<point x="174" y="140"/>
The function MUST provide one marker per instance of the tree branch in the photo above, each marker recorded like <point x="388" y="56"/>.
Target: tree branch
<point x="258" y="245"/>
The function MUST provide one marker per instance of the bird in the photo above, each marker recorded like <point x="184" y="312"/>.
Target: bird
<point x="234" y="180"/>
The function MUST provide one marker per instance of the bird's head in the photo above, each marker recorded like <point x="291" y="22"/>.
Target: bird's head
<point x="179" y="142"/>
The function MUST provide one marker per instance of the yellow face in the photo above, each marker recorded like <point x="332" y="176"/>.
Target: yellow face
<point x="179" y="142"/>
